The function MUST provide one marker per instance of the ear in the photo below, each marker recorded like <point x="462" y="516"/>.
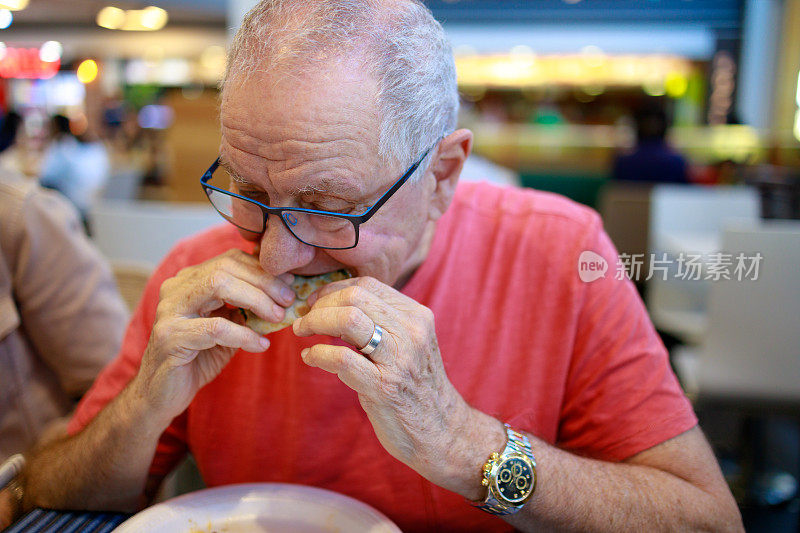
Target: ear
<point x="449" y="160"/>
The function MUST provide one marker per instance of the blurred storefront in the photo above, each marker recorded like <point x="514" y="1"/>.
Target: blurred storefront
<point x="148" y="89"/>
<point x="549" y="87"/>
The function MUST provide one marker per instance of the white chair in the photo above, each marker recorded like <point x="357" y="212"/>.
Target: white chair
<point x="689" y="220"/>
<point x="752" y="348"/>
<point x="143" y="232"/>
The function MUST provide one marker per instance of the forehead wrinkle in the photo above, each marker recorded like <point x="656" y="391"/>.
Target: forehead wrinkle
<point x="317" y="137"/>
<point x="289" y="154"/>
<point x="327" y="185"/>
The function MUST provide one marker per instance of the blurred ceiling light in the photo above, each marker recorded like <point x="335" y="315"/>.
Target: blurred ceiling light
<point x="676" y="85"/>
<point x="571" y="1"/>
<point x="50" y="52"/>
<point x="153" y="18"/>
<point x="87" y="71"/>
<point x="111" y="17"/>
<point x="14" y="5"/>
<point x="150" y="18"/>
<point x="6" y="18"/>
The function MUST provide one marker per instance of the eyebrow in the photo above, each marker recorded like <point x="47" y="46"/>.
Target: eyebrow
<point x="324" y="186"/>
<point x="233" y="174"/>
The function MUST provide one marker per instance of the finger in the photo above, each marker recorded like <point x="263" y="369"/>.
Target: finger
<point x="206" y="333"/>
<point x="353" y="369"/>
<point x="377" y="311"/>
<point x="356" y="296"/>
<point x="245" y="268"/>
<point x="223" y="287"/>
<point x="366" y="283"/>
<point x="347" y="323"/>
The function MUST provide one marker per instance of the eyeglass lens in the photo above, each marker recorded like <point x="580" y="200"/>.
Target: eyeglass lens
<point x="311" y="228"/>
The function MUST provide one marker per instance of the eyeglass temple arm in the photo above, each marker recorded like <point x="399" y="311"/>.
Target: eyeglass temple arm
<point x="399" y="183"/>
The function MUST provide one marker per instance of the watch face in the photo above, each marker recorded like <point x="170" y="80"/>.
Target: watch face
<point x="515" y="479"/>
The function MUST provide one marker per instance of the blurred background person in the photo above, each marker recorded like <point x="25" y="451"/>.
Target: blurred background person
<point x="61" y="316"/>
<point x="75" y="166"/>
<point x="9" y="156"/>
<point x="653" y="160"/>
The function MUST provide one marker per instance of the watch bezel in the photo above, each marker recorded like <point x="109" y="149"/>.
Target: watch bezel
<point x="495" y="488"/>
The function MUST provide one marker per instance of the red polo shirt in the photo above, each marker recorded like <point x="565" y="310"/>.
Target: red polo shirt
<point x="575" y="363"/>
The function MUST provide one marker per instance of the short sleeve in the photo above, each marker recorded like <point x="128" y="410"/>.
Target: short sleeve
<point x="621" y="394"/>
<point x="65" y="292"/>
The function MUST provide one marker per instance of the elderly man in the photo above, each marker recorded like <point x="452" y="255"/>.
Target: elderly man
<point x="339" y="151"/>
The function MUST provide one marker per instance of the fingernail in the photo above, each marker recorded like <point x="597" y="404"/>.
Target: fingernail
<point x="286" y="277"/>
<point x="287" y="294"/>
<point x="264" y="342"/>
<point x="304" y="353"/>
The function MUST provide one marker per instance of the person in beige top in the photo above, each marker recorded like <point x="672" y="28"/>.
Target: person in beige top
<point x="61" y="316"/>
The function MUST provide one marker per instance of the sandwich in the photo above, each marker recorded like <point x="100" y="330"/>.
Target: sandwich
<point x="303" y="287"/>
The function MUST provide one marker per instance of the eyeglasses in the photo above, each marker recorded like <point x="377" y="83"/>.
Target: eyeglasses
<point x="322" y="229"/>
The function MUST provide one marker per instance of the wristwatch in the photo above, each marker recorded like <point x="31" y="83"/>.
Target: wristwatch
<point x="509" y="475"/>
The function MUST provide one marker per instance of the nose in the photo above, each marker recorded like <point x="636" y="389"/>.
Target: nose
<point x="281" y="251"/>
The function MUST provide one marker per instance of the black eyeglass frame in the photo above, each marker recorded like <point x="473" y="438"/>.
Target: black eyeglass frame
<point x="356" y="220"/>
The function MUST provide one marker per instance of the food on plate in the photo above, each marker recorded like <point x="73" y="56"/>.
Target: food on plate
<point x="303" y="287"/>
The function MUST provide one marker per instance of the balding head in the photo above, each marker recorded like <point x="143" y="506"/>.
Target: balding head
<point x="398" y="43"/>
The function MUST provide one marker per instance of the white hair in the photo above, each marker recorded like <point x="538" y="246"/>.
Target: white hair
<point x="400" y="45"/>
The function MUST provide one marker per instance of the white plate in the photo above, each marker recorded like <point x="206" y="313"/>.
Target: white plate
<point x="260" y="507"/>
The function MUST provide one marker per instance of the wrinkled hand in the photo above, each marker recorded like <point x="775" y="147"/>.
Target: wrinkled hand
<point x="402" y="386"/>
<point x="194" y="335"/>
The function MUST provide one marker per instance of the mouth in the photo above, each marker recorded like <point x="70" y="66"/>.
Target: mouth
<point x="298" y="272"/>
